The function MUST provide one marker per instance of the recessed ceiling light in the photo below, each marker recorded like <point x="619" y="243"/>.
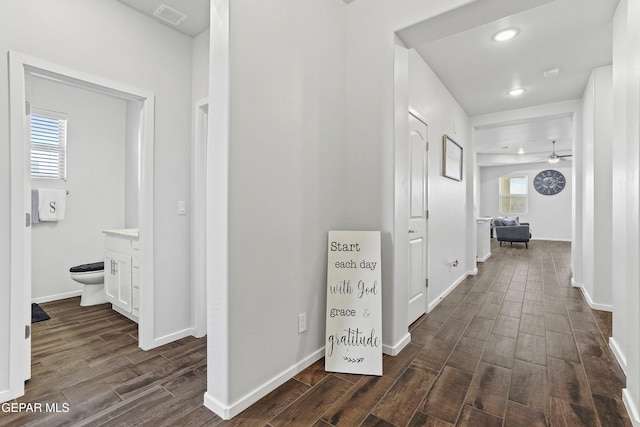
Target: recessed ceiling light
<point x="504" y="35"/>
<point x="551" y="72"/>
<point x="516" y="92"/>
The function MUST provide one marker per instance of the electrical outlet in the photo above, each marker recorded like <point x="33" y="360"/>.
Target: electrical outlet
<point x="302" y="322"/>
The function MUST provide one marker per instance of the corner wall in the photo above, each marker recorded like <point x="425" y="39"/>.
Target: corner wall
<point x="595" y="155"/>
<point x="625" y="342"/>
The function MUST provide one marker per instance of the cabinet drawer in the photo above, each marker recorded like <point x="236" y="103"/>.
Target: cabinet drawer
<point x="117" y="244"/>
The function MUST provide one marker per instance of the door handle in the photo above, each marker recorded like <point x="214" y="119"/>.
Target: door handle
<point x="412" y="231"/>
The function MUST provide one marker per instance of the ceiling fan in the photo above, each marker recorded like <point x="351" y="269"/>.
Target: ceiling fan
<point x="555" y="158"/>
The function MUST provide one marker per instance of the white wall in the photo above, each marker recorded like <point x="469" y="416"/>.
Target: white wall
<point x="449" y="235"/>
<point x="200" y="66"/>
<point x="549" y="216"/>
<point x="95" y="181"/>
<point x="110" y="40"/>
<point x="625" y="342"/>
<point x="286" y="173"/>
<point x="596" y="155"/>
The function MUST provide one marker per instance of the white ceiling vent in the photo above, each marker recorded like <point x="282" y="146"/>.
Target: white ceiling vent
<point x="169" y="14"/>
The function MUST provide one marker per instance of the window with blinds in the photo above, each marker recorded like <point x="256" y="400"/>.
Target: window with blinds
<point x="513" y="195"/>
<point x="48" y="145"/>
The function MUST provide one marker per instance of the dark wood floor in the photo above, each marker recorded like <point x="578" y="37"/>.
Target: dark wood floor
<point x="514" y="345"/>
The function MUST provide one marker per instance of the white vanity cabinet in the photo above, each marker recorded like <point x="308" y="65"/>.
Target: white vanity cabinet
<point x="121" y="271"/>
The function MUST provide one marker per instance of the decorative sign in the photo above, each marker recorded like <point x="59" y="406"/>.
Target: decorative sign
<point x="354" y="303"/>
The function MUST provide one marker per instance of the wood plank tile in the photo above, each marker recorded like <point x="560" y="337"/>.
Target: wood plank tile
<point x="511" y="308"/>
<point x="452" y="330"/>
<point x="271" y="405"/>
<point x="466" y="354"/>
<point x="434" y="354"/>
<point x="313" y="374"/>
<point x="531" y="348"/>
<point x="465" y="311"/>
<point x="479" y="328"/>
<point x="472" y="417"/>
<point x="565" y="414"/>
<point x="568" y="382"/>
<point x="604" y="375"/>
<point x="555" y="306"/>
<point x="558" y="323"/>
<point x="402" y="400"/>
<point x="611" y="412"/>
<point x="354" y="406"/>
<point x="488" y="310"/>
<point x="534" y="325"/>
<point x="506" y="326"/>
<point x="446" y="398"/>
<point x="500" y="351"/>
<point x="529" y="385"/>
<point x="309" y="407"/>
<point x="373" y="421"/>
<point x="562" y="346"/>
<point x="523" y="416"/>
<point x="535" y="308"/>
<point x="583" y="321"/>
<point x="489" y="389"/>
<point x="420" y="419"/>
<point x="393" y="367"/>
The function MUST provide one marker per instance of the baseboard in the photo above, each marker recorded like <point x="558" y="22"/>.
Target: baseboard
<point x="397" y="348"/>
<point x="632" y="411"/>
<point x="594" y="305"/>
<point x="618" y="354"/>
<point x="166" y="339"/>
<point x="484" y="258"/>
<point x="551" y="239"/>
<point x="57" y="297"/>
<point x="446" y="292"/>
<point x="227" y="412"/>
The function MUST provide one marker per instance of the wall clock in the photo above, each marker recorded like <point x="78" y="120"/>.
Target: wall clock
<point x="549" y="182"/>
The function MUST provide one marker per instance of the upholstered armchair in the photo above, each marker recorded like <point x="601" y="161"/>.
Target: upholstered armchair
<point x="511" y="230"/>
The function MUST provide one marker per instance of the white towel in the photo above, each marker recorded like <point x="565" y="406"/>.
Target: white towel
<point x="51" y="204"/>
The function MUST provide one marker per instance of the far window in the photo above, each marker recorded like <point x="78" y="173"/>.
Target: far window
<point x="513" y="195"/>
<point x="48" y="145"/>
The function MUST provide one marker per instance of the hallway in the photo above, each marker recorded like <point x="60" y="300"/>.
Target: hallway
<point x="514" y="345"/>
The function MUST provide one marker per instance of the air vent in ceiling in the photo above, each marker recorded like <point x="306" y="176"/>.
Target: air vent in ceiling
<point x="169" y="14"/>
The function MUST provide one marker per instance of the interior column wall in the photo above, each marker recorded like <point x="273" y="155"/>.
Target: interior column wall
<point x="625" y="342"/>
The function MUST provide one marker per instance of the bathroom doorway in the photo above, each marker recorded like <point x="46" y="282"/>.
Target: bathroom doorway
<point x="22" y="68"/>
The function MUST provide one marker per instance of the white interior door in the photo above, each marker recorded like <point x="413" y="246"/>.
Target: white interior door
<point x="417" y="233"/>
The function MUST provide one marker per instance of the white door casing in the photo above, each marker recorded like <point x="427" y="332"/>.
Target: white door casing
<point x="417" y="233"/>
<point x="20" y="67"/>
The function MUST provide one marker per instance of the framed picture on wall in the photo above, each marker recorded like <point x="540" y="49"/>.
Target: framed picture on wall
<point x="451" y="159"/>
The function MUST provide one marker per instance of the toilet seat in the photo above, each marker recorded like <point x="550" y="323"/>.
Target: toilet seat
<point x="84" y="268"/>
<point x="88" y="274"/>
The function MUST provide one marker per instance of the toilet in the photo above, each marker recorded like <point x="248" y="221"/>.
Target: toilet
<point x="92" y="277"/>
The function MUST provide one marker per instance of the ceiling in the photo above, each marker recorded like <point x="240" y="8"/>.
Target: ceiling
<point x="197" y="12"/>
<point x="571" y="35"/>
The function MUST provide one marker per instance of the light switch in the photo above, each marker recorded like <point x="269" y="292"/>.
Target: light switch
<point x="182" y="207"/>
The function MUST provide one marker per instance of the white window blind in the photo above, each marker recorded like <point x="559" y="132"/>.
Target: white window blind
<point x="48" y="145"/>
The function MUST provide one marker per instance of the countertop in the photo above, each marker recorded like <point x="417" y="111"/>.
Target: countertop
<point x="128" y="233"/>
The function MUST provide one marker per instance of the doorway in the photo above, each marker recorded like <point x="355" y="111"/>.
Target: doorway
<point x="21" y="67"/>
